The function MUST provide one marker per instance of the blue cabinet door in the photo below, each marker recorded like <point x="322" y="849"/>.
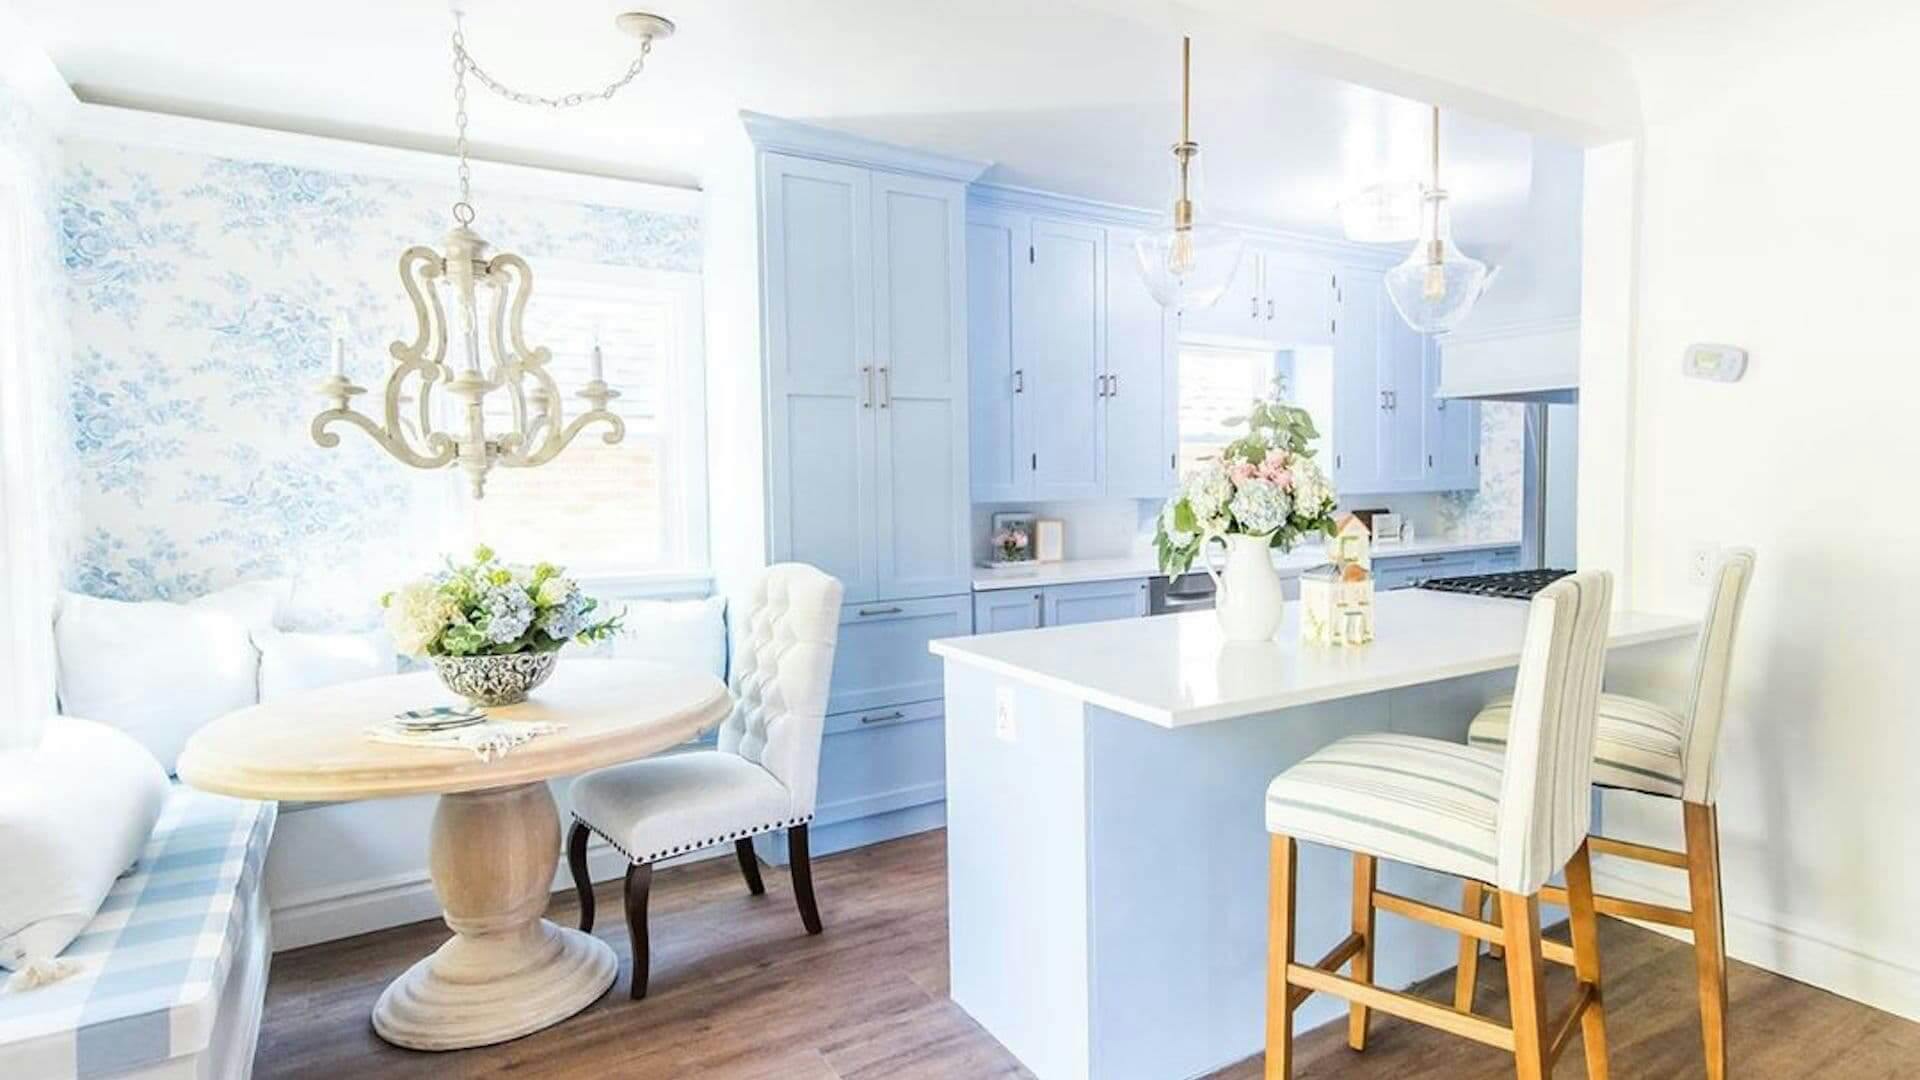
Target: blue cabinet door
<point x="1006" y="609"/>
<point x="996" y="264"/>
<point x="817" y="258"/>
<point x="1452" y="433"/>
<point x="1139" y="392"/>
<point x="1063" y="308"/>
<point x="1296" y="302"/>
<point x="1403" y="416"/>
<point x="1358" y="404"/>
<point x="920" y="386"/>
<point x="1094" y="601"/>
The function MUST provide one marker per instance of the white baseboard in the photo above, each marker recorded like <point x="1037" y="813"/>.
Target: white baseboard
<point x="1797" y="954"/>
<point x="369" y="904"/>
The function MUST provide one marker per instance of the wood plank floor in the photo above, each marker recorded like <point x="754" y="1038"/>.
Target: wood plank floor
<point x="739" y="992"/>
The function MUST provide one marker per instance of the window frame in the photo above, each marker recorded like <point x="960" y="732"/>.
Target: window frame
<point x="687" y="447"/>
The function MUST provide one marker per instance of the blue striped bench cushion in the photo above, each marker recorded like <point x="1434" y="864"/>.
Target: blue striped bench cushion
<point x="1401" y="797"/>
<point x="154" y="960"/>
<point x="1637" y="744"/>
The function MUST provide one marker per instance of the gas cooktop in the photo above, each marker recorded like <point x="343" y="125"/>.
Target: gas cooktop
<point x="1513" y="585"/>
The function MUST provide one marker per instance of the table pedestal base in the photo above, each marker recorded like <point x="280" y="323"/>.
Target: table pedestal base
<point x="506" y="972"/>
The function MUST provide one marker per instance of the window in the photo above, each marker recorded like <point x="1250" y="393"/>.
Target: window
<point x="1216" y="386"/>
<point x="635" y="510"/>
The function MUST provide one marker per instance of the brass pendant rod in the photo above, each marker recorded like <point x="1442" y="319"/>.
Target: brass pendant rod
<point x="1186" y="89"/>
<point x="1436" y="148"/>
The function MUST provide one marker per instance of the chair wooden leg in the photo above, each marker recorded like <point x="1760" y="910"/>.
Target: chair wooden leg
<point x="1709" y="930"/>
<point x="1473" y="904"/>
<point x="1282" y="867"/>
<point x="1520" y="920"/>
<point x="802" y="868"/>
<point x="1365" y="878"/>
<point x="639" y="882"/>
<point x="582" y="883"/>
<point x="1585" y="927"/>
<point x="1495" y="950"/>
<point x="749" y="866"/>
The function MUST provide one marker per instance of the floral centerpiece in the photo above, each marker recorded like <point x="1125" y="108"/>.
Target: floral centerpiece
<point x="1263" y="491"/>
<point x="492" y="630"/>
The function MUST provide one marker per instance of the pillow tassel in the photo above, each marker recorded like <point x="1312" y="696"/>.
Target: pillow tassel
<point x="41" y="972"/>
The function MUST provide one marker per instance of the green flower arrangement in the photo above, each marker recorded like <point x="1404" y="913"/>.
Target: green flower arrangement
<point x="489" y="608"/>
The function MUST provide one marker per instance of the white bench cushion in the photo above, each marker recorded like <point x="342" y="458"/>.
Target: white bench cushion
<point x="670" y="805"/>
<point x="1637" y="745"/>
<point x="1413" y="800"/>
<point x="155" y="960"/>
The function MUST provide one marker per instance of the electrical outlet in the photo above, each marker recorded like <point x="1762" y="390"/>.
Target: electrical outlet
<point x="1701" y="555"/>
<point x="1003" y="714"/>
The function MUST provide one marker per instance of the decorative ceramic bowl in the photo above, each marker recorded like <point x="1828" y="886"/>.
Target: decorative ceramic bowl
<point x="495" y="680"/>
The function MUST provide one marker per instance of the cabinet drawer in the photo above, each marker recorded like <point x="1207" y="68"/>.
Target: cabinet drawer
<point x="1404" y="571"/>
<point x="1006" y="609"/>
<point x="874" y="761"/>
<point x="1499" y="560"/>
<point x="1095" y="601"/>
<point x="882" y="657"/>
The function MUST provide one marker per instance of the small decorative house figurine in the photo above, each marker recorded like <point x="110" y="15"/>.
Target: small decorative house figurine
<point x="1336" y="602"/>
<point x="1350" y="543"/>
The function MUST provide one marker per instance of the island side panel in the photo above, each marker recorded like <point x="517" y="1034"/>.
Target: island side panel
<point x="1017" y="869"/>
<point x="1177" y="868"/>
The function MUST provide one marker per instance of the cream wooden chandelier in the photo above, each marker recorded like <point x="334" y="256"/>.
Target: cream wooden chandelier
<point x="468" y="338"/>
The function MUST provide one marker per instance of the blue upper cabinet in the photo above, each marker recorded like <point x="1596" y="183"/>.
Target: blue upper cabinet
<point x="817" y="253"/>
<point x="995" y="242"/>
<point x="1072" y="361"/>
<point x="1279" y="298"/>
<point x="1141" y="392"/>
<point x="1452" y="433"/>
<point x="865" y="341"/>
<point x="1064" y="308"/>
<point x="1359" y="406"/>
<point x="1401" y="373"/>
<point x="920" y="376"/>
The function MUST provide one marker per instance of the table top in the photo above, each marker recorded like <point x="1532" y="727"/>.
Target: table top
<point x="312" y="745"/>
<point x="1176" y="670"/>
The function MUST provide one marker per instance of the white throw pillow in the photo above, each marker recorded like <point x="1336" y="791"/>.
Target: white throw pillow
<point x="75" y="813"/>
<point x="156" y="671"/>
<point x="291" y="661"/>
<point x="256" y="605"/>
<point x="685" y="633"/>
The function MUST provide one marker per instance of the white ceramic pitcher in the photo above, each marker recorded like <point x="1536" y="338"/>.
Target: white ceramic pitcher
<point x="1247" y="595"/>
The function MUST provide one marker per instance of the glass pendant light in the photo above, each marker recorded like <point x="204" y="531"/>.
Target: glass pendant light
<point x="1187" y="264"/>
<point x="1438" y="284"/>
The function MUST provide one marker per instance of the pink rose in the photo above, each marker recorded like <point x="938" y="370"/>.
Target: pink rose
<point x="1274" y="469"/>
<point x="1242" y="471"/>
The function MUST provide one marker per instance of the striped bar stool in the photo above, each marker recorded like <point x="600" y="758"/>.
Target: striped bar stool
<point x="1509" y="820"/>
<point x="1641" y="746"/>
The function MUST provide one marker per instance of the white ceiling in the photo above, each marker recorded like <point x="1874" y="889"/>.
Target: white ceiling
<point x="1062" y="97"/>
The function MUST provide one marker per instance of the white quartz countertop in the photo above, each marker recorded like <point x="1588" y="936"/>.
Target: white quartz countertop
<point x="1176" y="670"/>
<point x="1300" y="560"/>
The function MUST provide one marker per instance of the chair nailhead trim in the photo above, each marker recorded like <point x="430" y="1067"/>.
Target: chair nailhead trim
<point x="682" y="849"/>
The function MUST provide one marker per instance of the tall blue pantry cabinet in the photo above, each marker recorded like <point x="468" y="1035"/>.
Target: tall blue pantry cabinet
<point x="863" y="286"/>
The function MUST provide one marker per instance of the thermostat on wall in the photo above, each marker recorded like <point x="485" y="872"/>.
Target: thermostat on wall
<point x="1719" y="363"/>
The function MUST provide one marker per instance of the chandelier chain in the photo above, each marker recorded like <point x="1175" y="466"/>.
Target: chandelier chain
<point x="463" y="209"/>
<point x="564" y="101"/>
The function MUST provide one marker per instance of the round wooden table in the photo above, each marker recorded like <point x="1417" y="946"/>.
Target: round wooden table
<point x="507" y="971"/>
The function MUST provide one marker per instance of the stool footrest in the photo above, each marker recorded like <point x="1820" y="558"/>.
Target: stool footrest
<point x="1404" y="1006"/>
<point x="1348" y="948"/>
<point x="1621" y="907"/>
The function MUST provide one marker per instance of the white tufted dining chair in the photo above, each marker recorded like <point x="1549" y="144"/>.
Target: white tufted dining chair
<point x="1510" y="818"/>
<point x="763" y="774"/>
<point x="1647" y="747"/>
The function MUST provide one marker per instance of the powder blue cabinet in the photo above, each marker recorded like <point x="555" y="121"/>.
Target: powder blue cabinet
<point x="1094" y="601"/>
<point x="1071" y="361"/>
<point x="1391" y="435"/>
<point x="1007" y="609"/>
<point x="864" y="310"/>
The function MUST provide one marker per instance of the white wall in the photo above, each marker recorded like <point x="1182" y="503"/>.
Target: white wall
<point x="1777" y="213"/>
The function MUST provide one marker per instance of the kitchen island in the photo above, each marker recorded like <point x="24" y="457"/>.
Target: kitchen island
<point x="1106" y="834"/>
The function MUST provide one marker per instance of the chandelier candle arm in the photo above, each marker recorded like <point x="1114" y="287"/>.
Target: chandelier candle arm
<point x="488" y="360"/>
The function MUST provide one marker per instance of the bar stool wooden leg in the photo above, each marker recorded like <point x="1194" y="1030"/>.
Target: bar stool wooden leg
<point x="1709" y="930"/>
<point x="1283" y="865"/>
<point x="1473" y="904"/>
<point x="1366" y="873"/>
<point x="1526" y="989"/>
<point x="1585" y="927"/>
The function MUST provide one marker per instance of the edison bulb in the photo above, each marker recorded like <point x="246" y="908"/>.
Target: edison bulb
<point x="1180" y="257"/>
<point x="1434" y="288"/>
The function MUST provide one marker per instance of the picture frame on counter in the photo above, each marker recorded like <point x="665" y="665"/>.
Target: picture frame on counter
<point x="1050" y="540"/>
<point x="1012" y="539"/>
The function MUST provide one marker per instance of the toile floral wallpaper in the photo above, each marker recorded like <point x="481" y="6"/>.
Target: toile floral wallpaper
<point x="1494" y="511"/>
<point x="203" y="295"/>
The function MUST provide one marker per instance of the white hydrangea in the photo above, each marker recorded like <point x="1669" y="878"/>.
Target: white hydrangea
<point x="1311" y="492"/>
<point x="1260" y="507"/>
<point x="416" y="614"/>
<point x="1208" y="490"/>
